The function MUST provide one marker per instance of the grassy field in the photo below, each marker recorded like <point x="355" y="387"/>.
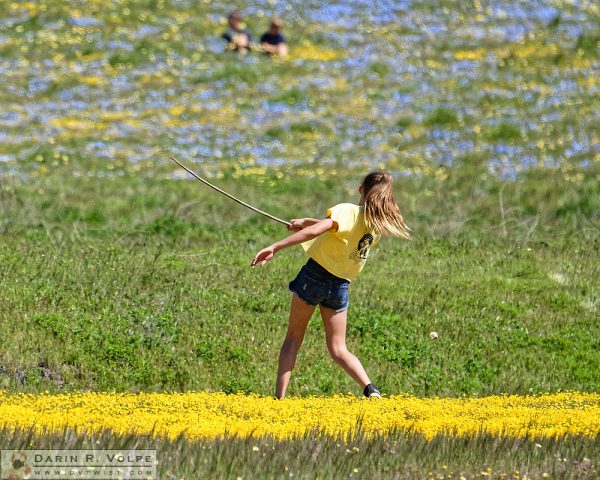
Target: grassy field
<point x="142" y="283"/>
<point x="119" y="273"/>
<point x="392" y="456"/>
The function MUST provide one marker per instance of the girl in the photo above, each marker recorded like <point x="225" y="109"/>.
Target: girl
<point x="338" y="247"/>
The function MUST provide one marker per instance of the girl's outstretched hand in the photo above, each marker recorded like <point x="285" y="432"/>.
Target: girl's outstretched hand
<point x="263" y="256"/>
<point x="296" y="224"/>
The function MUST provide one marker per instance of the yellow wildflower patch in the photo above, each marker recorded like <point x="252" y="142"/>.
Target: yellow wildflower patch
<point x="581" y="62"/>
<point x="434" y="64"/>
<point x="210" y="415"/>
<point x="307" y="50"/>
<point x="476" y="54"/>
<point x="176" y="111"/>
<point x="258" y="171"/>
<point x="535" y="50"/>
<point x="92" y="80"/>
<point x="32" y="8"/>
<point x="71" y="123"/>
<point x="221" y="116"/>
<point x="175" y="122"/>
<point x="115" y="116"/>
<point x="132" y="122"/>
<point x="359" y="104"/>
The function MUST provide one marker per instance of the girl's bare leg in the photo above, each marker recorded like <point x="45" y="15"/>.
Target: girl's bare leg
<point x="300" y="314"/>
<point x="335" y="333"/>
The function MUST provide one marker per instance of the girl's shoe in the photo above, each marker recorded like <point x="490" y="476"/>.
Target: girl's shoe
<point x="371" y="391"/>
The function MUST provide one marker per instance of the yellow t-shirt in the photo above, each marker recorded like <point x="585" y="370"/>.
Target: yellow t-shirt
<point x="344" y="252"/>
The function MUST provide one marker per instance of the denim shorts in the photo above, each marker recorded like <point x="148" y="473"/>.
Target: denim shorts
<point x="316" y="286"/>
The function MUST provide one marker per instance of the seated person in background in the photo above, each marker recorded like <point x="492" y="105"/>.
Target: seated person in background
<point x="272" y="42"/>
<point x="237" y="38"/>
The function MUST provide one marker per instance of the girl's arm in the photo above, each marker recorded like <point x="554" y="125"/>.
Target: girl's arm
<point x="303" y="235"/>
<point x="297" y="224"/>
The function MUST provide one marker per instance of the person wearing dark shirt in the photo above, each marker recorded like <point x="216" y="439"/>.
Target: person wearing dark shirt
<point x="237" y="38"/>
<point x="273" y="42"/>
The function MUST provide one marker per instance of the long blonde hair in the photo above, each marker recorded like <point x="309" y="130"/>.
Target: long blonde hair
<point x="381" y="211"/>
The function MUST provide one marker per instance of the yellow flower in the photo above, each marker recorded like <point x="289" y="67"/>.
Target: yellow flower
<point x="209" y="415"/>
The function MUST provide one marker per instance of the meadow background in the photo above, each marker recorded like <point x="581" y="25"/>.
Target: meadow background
<point x="120" y="273"/>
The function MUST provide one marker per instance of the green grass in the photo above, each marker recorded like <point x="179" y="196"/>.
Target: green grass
<point x="441" y="116"/>
<point x="137" y="283"/>
<point x="392" y="456"/>
<point x="504" y="132"/>
<point x="115" y="276"/>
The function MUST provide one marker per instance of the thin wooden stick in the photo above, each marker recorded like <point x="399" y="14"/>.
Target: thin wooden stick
<point x="247" y="205"/>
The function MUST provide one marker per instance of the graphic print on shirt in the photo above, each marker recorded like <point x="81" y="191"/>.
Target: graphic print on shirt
<point x="361" y="252"/>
